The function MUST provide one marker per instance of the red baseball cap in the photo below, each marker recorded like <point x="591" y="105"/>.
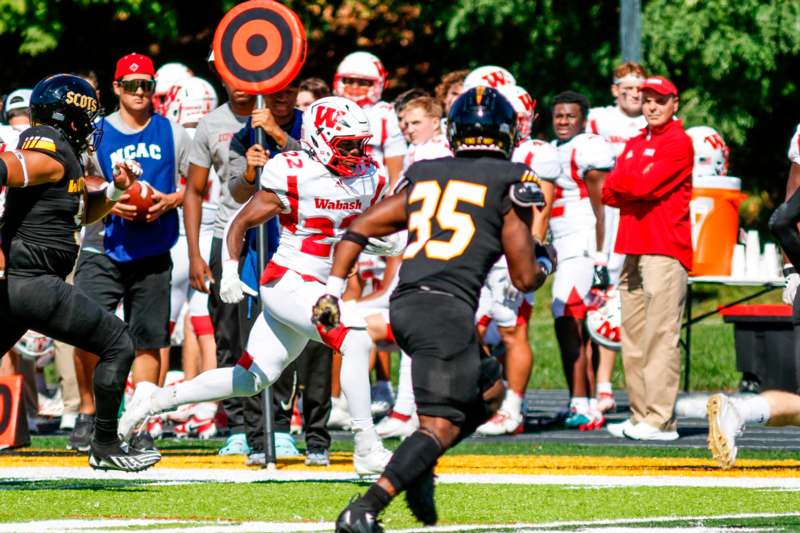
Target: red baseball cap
<point x="659" y="84"/>
<point x="134" y="64"/>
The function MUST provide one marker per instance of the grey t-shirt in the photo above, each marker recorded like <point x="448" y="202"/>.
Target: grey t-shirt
<point x="210" y="147"/>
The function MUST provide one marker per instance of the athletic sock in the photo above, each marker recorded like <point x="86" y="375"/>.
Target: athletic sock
<point x="404" y="403"/>
<point x="604" y="388"/>
<point x="355" y="377"/>
<point x="512" y="403"/>
<point x="755" y="409"/>
<point x="376" y="499"/>
<point x="105" y="430"/>
<point x="212" y="385"/>
<point x="580" y="405"/>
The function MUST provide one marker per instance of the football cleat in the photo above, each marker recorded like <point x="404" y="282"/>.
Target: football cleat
<point x="373" y="461"/>
<point x="397" y="425"/>
<point x="119" y="456"/>
<point x="356" y="518"/>
<point x="143" y="440"/>
<point x="285" y="446"/>
<point x="724" y="425"/>
<point x="155" y="427"/>
<point x="502" y="423"/>
<point x="419" y="497"/>
<point x="235" y="445"/>
<point x="318" y="458"/>
<point x="139" y="408"/>
<point x="203" y="428"/>
<point x="81" y="437"/>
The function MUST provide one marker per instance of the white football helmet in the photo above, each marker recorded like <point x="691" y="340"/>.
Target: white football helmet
<point x="488" y="76"/>
<point x="365" y="66"/>
<point x="525" y="107"/>
<point x="190" y="100"/>
<point x="166" y="76"/>
<point x="605" y="322"/>
<point x="32" y="346"/>
<point x="710" y="152"/>
<point x="329" y="122"/>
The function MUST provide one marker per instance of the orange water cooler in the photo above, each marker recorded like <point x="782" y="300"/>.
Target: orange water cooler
<point x="715" y="223"/>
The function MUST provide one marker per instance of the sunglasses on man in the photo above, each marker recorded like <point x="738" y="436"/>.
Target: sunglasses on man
<point x="132" y="86"/>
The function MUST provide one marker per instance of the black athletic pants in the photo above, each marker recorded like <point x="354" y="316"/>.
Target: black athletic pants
<point x="310" y="373"/>
<point x="35" y="296"/>
<point x="232" y="324"/>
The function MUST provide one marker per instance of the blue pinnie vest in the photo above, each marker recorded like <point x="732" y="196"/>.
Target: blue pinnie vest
<point x="154" y="149"/>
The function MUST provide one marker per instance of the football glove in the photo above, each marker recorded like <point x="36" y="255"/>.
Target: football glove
<point x="325" y="312"/>
<point x="390" y="245"/>
<point x="601" y="279"/>
<point x="231" y="288"/>
<point x="527" y="194"/>
<point x="546" y="256"/>
<point x="792" y="281"/>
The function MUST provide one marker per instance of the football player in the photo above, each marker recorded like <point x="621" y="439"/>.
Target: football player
<point x="462" y="214"/>
<point x="616" y="124"/>
<point x="47" y="203"/>
<point x="360" y="77"/>
<point x="316" y="193"/>
<point x="577" y="225"/>
<point x="727" y="416"/>
<point x="501" y="303"/>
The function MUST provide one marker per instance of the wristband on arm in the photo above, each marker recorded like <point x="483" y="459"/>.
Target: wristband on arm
<point x="357" y="238"/>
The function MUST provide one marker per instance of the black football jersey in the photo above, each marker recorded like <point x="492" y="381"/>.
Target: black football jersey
<point x="455" y="218"/>
<point x="47" y="215"/>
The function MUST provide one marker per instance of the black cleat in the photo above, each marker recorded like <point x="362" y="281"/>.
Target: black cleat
<point x="419" y="497"/>
<point x="143" y="441"/>
<point x="119" y="456"/>
<point x="81" y="437"/>
<point x="357" y="519"/>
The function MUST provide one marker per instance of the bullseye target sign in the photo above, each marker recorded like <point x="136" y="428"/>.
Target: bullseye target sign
<point x="259" y="46"/>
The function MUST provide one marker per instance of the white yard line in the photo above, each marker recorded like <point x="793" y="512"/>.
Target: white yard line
<point x="128" y="526"/>
<point x="185" y="475"/>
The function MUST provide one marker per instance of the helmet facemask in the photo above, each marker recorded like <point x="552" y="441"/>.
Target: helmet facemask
<point x="349" y="155"/>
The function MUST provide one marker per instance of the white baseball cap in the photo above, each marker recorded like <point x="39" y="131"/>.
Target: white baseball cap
<point x="19" y="99"/>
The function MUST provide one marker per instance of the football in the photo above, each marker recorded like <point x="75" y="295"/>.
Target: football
<point x="141" y="196"/>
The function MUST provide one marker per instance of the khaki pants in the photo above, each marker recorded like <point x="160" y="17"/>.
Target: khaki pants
<point x="65" y="367"/>
<point x="653" y="293"/>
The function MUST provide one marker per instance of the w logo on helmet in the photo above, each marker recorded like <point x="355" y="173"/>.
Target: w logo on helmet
<point x="326" y="117"/>
<point x="495" y="79"/>
<point x="527" y="101"/>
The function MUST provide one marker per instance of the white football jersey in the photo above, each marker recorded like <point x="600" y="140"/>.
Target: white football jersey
<point x="612" y="124"/>
<point x="435" y="148"/>
<point x="539" y="156"/>
<point x="387" y="139"/>
<point x="572" y="210"/>
<point x="317" y="208"/>
<point x="794" y="147"/>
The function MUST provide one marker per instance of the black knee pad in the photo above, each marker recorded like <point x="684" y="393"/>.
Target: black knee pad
<point x="415" y="456"/>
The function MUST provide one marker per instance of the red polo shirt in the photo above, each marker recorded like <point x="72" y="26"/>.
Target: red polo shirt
<point x="652" y="186"/>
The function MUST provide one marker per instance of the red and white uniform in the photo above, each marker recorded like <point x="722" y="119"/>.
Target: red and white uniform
<point x="539" y="156"/>
<point x="614" y="125"/>
<point x="794" y="147"/>
<point x="435" y="148"/>
<point x="572" y="221"/>
<point x="181" y="291"/>
<point x="387" y="139"/>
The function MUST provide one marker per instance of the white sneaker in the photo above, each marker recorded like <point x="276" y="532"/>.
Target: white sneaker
<point x="502" y="423"/>
<point x="644" y="431"/>
<point x="340" y="416"/>
<point x="618" y="429"/>
<point x="724" y="425"/>
<point x="373" y="461"/>
<point x="137" y="409"/>
<point x="395" y="426"/>
<point x="692" y="407"/>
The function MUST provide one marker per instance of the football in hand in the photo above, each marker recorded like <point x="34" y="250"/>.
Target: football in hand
<point x="141" y="196"/>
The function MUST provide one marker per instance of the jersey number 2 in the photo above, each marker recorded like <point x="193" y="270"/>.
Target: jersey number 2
<point x="444" y="206"/>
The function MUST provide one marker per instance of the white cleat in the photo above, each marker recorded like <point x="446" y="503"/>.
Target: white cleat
<point x="373" y="461"/>
<point x="502" y="423"/>
<point x="724" y="425"/>
<point x="397" y="425"/>
<point x="137" y="409"/>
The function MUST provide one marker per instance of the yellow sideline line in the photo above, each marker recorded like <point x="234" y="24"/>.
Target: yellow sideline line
<point x="476" y="464"/>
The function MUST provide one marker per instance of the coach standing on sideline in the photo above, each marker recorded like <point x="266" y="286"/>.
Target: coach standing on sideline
<point x="652" y="186"/>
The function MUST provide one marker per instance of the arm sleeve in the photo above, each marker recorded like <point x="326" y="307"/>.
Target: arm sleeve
<point x="200" y="149"/>
<point x="659" y="177"/>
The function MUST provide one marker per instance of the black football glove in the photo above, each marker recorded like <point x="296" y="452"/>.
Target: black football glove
<point x="546" y="256"/>
<point x="325" y="312"/>
<point x="527" y="194"/>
